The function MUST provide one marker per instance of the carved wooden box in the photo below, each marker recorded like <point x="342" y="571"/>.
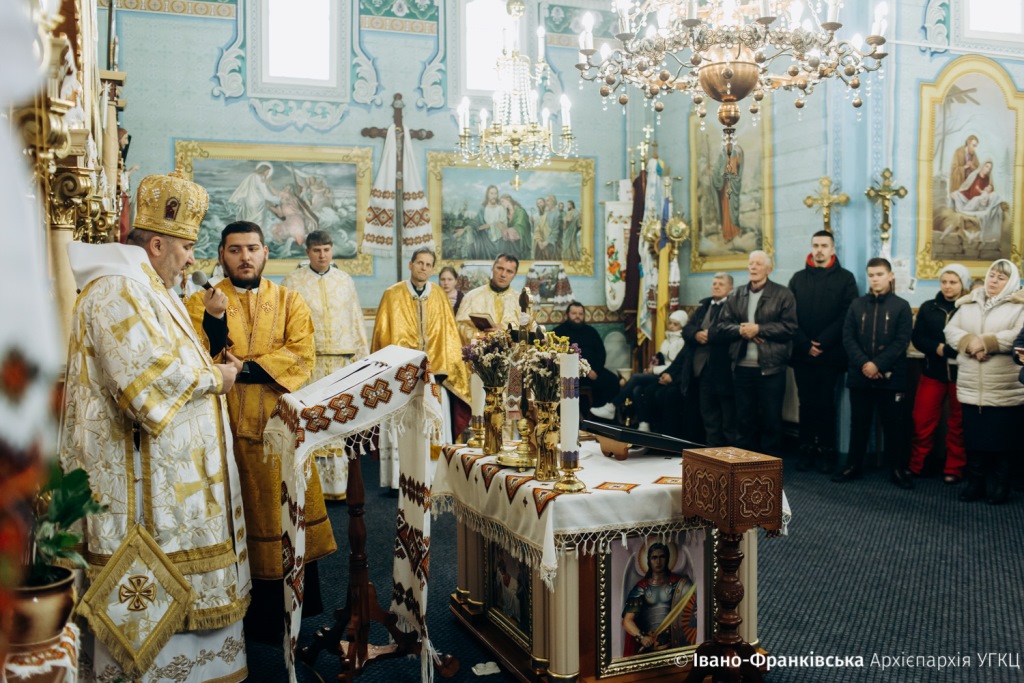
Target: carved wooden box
<point x="732" y="488"/>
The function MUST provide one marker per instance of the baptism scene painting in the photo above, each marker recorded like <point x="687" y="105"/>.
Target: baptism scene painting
<point x="549" y="218"/>
<point x="657" y="591"/>
<point x="970" y="171"/>
<point x="289" y="191"/>
<point x="731" y="193"/>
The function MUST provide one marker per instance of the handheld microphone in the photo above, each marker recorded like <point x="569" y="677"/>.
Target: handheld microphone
<point x="199" y="279"/>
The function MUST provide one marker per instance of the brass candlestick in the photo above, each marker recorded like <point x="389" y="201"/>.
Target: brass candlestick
<point x="477" y="425"/>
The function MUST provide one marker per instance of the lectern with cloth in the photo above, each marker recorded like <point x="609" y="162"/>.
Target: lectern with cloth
<point x="393" y="388"/>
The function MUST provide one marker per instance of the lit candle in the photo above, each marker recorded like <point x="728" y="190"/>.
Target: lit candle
<point x="476" y="394"/>
<point x="582" y="58"/>
<point x="691" y="10"/>
<point x="464" y="114"/>
<point x="766" y="10"/>
<point x="545" y="116"/>
<point x="881" y="22"/>
<point x="483" y="121"/>
<point x="541" y="37"/>
<point x="588" y="31"/>
<point x="623" y="7"/>
<point x="566" y="106"/>
<point x="833" y="11"/>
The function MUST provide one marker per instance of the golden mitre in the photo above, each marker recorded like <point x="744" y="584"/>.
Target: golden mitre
<point x="171" y="205"/>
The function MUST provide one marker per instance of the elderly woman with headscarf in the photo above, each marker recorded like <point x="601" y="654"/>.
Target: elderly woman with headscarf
<point x="991" y="398"/>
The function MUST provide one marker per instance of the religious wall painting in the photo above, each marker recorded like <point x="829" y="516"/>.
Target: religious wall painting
<point x="970" y="177"/>
<point x="549" y="218"/>
<point x="473" y="274"/>
<point x="731" y="194"/>
<point x="660" y="586"/>
<point x="289" y="191"/>
<point x="509" y="594"/>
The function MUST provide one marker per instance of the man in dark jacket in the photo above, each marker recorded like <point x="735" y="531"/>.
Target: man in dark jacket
<point x="705" y="367"/>
<point x="823" y="291"/>
<point x="758" y="324"/>
<point x="876" y="334"/>
<point x="603" y="383"/>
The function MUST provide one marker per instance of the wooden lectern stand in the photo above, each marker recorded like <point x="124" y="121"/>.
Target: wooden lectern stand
<point x="735" y="490"/>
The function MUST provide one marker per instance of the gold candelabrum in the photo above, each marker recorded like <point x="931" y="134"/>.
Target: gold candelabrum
<point x="526" y="453"/>
<point x="547" y="441"/>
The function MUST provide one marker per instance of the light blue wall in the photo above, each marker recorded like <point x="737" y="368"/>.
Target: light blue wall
<point x="171" y="59"/>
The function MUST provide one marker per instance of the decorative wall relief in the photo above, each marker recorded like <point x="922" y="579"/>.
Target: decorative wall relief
<point x="239" y="73"/>
<point x="936" y="26"/>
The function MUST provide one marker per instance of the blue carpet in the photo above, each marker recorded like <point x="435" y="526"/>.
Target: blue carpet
<point x="868" y="569"/>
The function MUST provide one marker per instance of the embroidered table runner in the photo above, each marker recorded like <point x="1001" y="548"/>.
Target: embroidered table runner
<point x="393" y="388"/>
<point x="532" y="521"/>
<point x="24" y="666"/>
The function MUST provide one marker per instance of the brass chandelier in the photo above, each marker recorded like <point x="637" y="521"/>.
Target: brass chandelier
<point x="517" y="138"/>
<point x="727" y="50"/>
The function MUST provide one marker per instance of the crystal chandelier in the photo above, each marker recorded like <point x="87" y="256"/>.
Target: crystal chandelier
<point x="516" y="138"/>
<point x="727" y="50"/>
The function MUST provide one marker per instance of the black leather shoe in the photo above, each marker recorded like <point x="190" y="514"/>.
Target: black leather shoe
<point x="998" y="494"/>
<point x="849" y="474"/>
<point x="902" y="479"/>
<point x="975" y="490"/>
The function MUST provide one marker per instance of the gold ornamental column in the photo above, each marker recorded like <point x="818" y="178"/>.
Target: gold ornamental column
<point x="68" y="216"/>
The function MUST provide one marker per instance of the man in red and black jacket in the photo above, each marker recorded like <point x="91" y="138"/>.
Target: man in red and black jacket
<point x="823" y="292"/>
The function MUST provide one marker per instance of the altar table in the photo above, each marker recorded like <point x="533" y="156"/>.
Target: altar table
<point x="560" y="536"/>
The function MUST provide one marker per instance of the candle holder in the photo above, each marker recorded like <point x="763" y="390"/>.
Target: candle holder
<point x="547" y="441"/>
<point x="570" y="465"/>
<point x="494" y="419"/>
<point x="477" y="425"/>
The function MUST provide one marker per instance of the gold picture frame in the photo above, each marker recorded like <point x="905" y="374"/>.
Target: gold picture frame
<point x="508" y="597"/>
<point x="320" y="188"/>
<point x="711" y="250"/>
<point x="972" y="98"/>
<point x="620" y="570"/>
<point x="456" y="190"/>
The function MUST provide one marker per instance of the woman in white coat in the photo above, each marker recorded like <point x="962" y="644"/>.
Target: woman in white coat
<point x="982" y="330"/>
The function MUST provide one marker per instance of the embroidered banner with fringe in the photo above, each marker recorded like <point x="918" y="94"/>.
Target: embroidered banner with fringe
<point x="379" y="231"/>
<point x="393" y="388"/>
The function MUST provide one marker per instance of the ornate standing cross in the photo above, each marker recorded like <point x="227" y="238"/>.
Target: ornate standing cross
<point x="884" y="193"/>
<point x="416" y="134"/>
<point x="825" y="199"/>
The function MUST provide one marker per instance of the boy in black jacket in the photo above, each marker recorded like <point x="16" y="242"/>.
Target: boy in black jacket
<point x="876" y="335"/>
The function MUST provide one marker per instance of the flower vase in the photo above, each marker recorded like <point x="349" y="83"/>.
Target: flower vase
<point x="547" y="432"/>
<point x="494" y="419"/>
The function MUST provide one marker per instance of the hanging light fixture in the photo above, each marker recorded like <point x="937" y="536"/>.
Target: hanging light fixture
<point x="517" y="138"/>
<point x="727" y="50"/>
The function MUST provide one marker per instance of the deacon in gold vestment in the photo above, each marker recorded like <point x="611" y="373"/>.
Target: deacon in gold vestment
<point x="416" y="314"/>
<point x="268" y="329"/>
<point x="167" y="560"/>
<point x="339" y="332"/>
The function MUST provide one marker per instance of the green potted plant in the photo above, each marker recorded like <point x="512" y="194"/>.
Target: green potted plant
<point x="45" y="599"/>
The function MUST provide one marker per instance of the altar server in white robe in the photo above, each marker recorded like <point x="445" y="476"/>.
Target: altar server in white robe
<point x="339" y="333"/>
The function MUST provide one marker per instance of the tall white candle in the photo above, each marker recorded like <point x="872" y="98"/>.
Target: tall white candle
<point x="476" y="393"/>
<point x="569" y="372"/>
<point x="541" y="38"/>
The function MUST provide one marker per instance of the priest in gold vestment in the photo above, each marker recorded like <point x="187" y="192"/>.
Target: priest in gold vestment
<point x="168" y="563"/>
<point x="339" y="332"/>
<point x="269" y="330"/>
<point x="416" y="314"/>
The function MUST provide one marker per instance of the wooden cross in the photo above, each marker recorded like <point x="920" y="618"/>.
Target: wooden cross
<point x="416" y="134"/>
<point x="884" y="193"/>
<point x="825" y="199"/>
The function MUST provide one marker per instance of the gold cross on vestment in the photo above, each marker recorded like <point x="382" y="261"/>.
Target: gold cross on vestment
<point x="884" y="193"/>
<point x="825" y="199"/>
